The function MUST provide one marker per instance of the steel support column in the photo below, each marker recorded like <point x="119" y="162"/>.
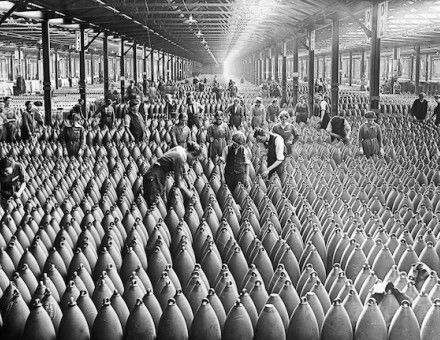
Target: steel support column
<point x="363" y="70"/>
<point x="417" y="87"/>
<point x="144" y="70"/>
<point x="350" y="69"/>
<point x="152" y="65"/>
<point x="335" y="66"/>
<point x="105" y="61"/>
<point x="284" y="77"/>
<point x="46" y="72"/>
<point x="295" y="71"/>
<point x="276" y="64"/>
<point x="270" y="75"/>
<point x="122" y="69"/>
<point x="428" y="74"/>
<point x="311" y="75"/>
<point x="82" y="68"/>
<point x="57" y="75"/>
<point x="135" y="67"/>
<point x="164" y="67"/>
<point x="69" y="67"/>
<point x="374" y="60"/>
<point x="92" y="68"/>
<point x="38" y="62"/>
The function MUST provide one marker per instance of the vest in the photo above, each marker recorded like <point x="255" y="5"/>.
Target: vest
<point x="235" y="162"/>
<point x="338" y="126"/>
<point x="137" y="126"/>
<point x="73" y="135"/>
<point x="107" y="115"/>
<point x="271" y="151"/>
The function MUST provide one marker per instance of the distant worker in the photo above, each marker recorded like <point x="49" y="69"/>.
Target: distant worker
<point x="218" y="135"/>
<point x="9" y="120"/>
<point x="339" y="129"/>
<point x="72" y="137"/>
<point x="235" y="161"/>
<point x="272" y="112"/>
<point x="181" y="133"/>
<point x="134" y="122"/>
<point x="324" y="112"/>
<point x="27" y="121"/>
<point x="370" y="136"/>
<point x="301" y="110"/>
<point x="258" y="114"/>
<point x="236" y="114"/>
<point x="419" y="109"/>
<point x="175" y="160"/>
<point x="286" y="130"/>
<point x="106" y="115"/>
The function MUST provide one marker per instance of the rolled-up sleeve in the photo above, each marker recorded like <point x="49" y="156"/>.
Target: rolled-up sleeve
<point x="347" y="128"/>
<point x="279" y="148"/>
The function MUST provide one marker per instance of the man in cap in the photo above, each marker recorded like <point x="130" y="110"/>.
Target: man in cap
<point x="12" y="180"/>
<point x="73" y="137"/>
<point x="180" y="133"/>
<point x="236" y="160"/>
<point x="236" y="114"/>
<point x="273" y="112"/>
<point x="134" y="122"/>
<point x="275" y="151"/>
<point x="106" y="115"/>
<point x="175" y="160"/>
<point x="194" y="112"/>
<point x="258" y="114"/>
<point x="419" y="109"/>
<point x="39" y="113"/>
<point x="339" y="129"/>
<point x="9" y="120"/>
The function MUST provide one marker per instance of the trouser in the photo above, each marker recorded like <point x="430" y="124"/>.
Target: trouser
<point x="10" y="132"/>
<point x="154" y="185"/>
<point x="301" y="117"/>
<point x="73" y="148"/>
<point x="233" y="179"/>
<point x="279" y="170"/>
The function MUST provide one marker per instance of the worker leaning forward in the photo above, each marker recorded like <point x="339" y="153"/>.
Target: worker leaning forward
<point x="177" y="161"/>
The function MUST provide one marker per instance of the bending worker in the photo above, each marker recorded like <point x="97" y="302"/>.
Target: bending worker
<point x="175" y="160"/>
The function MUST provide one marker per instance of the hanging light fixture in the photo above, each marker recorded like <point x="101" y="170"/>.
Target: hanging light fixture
<point x="191" y="20"/>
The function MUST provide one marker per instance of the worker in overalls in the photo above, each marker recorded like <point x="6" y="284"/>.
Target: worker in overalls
<point x="134" y="122"/>
<point x="106" y="115"/>
<point x="9" y="120"/>
<point x="73" y="137"/>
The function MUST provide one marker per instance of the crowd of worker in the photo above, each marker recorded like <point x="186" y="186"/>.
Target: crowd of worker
<point x="228" y="131"/>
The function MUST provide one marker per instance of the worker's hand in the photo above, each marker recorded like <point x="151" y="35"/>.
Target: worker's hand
<point x="81" y="152"/>
<point x="361" y="151"/>
<point x="264" y="174"/>
<point x="65" y="154"/>
<point x="382" y="152"/>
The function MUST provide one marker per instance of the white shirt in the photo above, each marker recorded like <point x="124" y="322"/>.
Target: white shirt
<point x="279" y="147"/>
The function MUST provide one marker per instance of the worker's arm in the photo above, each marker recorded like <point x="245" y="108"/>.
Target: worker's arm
<point x="23" y="179"/>
<point x="127" y="126"/>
